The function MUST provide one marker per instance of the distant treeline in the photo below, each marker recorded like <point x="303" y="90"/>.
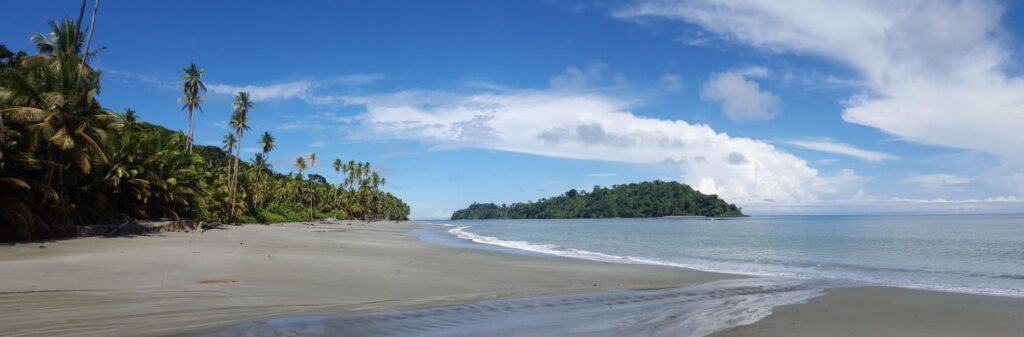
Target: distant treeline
<point x="637" y="200"/>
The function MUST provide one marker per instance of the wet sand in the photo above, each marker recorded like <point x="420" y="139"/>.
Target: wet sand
<point x="179" y="283"/>
<point x="154" y="285"/>
<point x="879" y="311"/>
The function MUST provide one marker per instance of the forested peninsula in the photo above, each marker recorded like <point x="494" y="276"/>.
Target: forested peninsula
<point x="636" y="200"/>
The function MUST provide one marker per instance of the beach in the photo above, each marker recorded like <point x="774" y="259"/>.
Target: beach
<point x="180" y="283"/>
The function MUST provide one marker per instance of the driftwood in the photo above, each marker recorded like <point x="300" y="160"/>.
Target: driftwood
<point x="111" y="232"/>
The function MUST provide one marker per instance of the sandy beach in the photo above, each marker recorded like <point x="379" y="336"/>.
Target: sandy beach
<point x="176" y="283"/>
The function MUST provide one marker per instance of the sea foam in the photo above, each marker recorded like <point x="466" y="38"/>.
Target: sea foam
<point x="747" y="269"/>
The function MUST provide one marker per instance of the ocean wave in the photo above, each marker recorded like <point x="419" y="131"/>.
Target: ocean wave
<point x="746" y="269"/>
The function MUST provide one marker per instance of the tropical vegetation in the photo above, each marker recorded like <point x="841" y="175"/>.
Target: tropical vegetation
<point x="636" y="200"/>
<point x="67" y="161"/>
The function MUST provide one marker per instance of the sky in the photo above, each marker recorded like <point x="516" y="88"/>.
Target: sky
<point x="782" y="107"/>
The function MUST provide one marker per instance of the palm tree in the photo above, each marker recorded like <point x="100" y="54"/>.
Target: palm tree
<point x="128" y="119"/>
<point x="337" y="165"/>
<point x="260" y="165"/>
<point x="337" y="170"/>
<point x="350" y="174"/>
<point x="229" y="145"/>
<point x="239" y="121"/>
<point x="300" y="165"/>
<point x="56" y="98"/>
<point x="267" y="143"/>
<point x="191" y="87"/>
<point x="312" y="164"/>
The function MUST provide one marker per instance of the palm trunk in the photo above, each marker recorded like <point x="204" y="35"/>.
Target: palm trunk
<point x="263" y="192"/>
<point x="234" y="175"/>
<point x="191" y="127"/>
<point x="81" y="14"/>
<point x="92" y="27"/>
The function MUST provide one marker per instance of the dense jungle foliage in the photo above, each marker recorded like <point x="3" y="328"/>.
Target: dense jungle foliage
<point x="67" y="161"/>
<point x="637" y="200"/>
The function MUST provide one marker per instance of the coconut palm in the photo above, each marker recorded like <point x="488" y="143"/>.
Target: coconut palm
<point x="55" y="97"/>
<point x="312" y="164"/>
<point x="239" y="121"/>
<point x="192" y="86"/>
<point x="259" y="165"/>
<point x="228" y="144"/>
<point x="128" y="119"/>
<point x="337" y="165"/>
<point x="267" y="144"/>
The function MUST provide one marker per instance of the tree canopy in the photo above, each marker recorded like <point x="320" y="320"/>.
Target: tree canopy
<point x="636" y="200"/>
<point x="66" y="160"/>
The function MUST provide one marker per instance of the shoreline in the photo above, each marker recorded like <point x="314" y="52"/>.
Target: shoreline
<point x="98" y="286"/>
<point x="155" y="284"/>
<point x="464" y="232"/>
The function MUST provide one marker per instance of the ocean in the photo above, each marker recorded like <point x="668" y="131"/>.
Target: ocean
<point x="977" y="254"/>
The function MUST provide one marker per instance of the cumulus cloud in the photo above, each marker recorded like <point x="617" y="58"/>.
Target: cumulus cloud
<point x="742" y="99"/>
<point x="842" y="149"/>
<point x="933" y="71"/>
<point x="594" y="73"/>
<point x="590" y="126"/>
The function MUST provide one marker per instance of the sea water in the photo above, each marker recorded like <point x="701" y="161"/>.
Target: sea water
<point x="979" y="254"/>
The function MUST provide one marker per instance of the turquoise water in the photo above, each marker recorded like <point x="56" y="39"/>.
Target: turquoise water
<point x="982" y="254"/>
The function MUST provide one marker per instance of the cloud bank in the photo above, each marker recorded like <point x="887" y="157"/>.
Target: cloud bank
<point x="933" y="71"/>
<point x="590" y="126"/>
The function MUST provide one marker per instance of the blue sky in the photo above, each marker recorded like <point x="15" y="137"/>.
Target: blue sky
<point x="779" y="106"/>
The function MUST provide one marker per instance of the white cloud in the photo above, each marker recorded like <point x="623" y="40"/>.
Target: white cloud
<point x="934" y="71"/>
<point x="590" y="126"/>
<point x="153" y="80"/>
<point x="742" y="99"/>
<point x="842" y="149"/>
<point x="600" y="175"/>
<point x="290" y="90"/>
<point x="302" y="89"/>
<point x="316" y="144"/>
<point x="595" y="73"/>
<point x="933" y="181"/>
<point x="356" y="79"/>
<point x="672" y="82"/>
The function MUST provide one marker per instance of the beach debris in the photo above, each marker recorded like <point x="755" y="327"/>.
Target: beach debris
<point x="219" y="281"/>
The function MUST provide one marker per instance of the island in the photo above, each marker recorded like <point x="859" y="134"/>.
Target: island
<point x="636" y="200"/>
